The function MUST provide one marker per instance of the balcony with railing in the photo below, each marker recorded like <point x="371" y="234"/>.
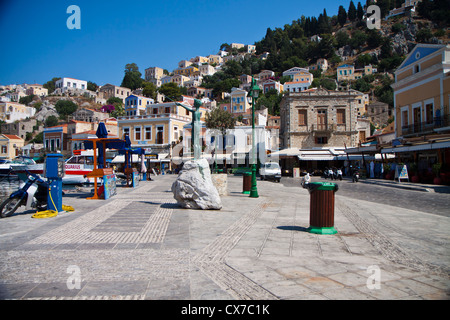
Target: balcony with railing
<point x="323" y="128"/>
<point x="156" y="116"/>
<point x="428" y="126"/>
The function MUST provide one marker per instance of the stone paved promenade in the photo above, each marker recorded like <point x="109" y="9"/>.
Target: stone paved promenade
<point x="141" y="245"/>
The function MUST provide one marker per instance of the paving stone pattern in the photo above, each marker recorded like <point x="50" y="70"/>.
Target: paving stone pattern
<point x="141" y="245"/>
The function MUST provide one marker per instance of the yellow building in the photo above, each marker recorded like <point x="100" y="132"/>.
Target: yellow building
<point x="188" y="71"/>
<point x="10" y="146"/>
<point x="345" y="72"/>
<point x="214" y="58"/>
<point x="303" y="76"/>
<point x="37" y="89"/>
<point x="180" y="79"/>
<point x="422" y="89"/>
<point x="239" y="103"/>
<point x="421" y="109"/>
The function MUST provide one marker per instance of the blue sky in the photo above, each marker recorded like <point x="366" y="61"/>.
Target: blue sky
<point x="37" y="45"/>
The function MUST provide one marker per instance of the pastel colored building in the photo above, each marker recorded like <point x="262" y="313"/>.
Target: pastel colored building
<point x="422" y="90"/>
<point x="13" y="111"/>
<point x="65" y="84"/>
<point x="109" y="91"/>
<point x="266" y="74"/>
<point x="239" y="103"/>
<point x="153" y="73"/>
<point x="10" y="146"/>
<point x="272" y="84"/>
<point x="37" y="90"/>
<point x="296" y="86"/>
<point x="137" y="105"/>
<point x="422" y="110"/>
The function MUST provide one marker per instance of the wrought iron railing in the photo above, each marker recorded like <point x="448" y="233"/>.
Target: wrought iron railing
<point x="427" y="126"/>
<point x="323" y="127"/>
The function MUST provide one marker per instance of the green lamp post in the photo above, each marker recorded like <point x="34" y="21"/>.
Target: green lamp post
<point x="253" y="95"/>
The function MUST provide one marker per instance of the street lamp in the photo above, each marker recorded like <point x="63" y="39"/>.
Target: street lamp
<point x="253" y="95"/>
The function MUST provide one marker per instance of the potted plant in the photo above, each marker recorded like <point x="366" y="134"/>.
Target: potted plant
<point x="387" y="171"/>
<point x="414" y="172"/>
<point x="436" y="170"/>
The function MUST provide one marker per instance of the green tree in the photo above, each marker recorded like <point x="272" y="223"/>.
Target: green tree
<point x="358" y="39"/>
<point x="92" y="86"/>
<point x="132" y="78"/>
<point x="424" y="35"/>
<point x="342" y="39"/>
<point x="51" y="121"/>
<point x="65" y="108"/>
<point x="351" y="11"/>
<point x="271" y="100"/>
<point x="361" y="85"/>
<point x="225" y="47"/>
<point x="342" y="16"/>
<point x="232" y="69"/>
<point x="27" y="99"/>
<point x="149" y="90"/>
<point x="324" y="25"/>
<point x="39" y="138"/>
<point x="327" y="83"/>
<point x="114" y="101"/>
<point x="359" y="12"/>
<point x="50" y="85"/>
<point x="384" y="92"/>
<point x="374" y="38"/>
<point x="119" y="111"/>
<point x="220" y="120"/>
<point x="172" y="91"/>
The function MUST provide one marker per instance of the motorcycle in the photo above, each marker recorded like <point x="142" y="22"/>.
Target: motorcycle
<point x="32" y="194"/>
<point x="331" y="174"/>
<point x="305" y="180"/>
<point x="338" y="174"/>
<point x="355" y="177"/>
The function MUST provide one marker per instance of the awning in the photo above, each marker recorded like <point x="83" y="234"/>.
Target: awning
<point x="320" y="154"/>
<point x="291" y="152"/>
<point x="121" y="159"/>
<point x="418" y="147"/>
<point x="316" y="157"/>
<point x="365" y="149"/>
<point x="357" y="157"/>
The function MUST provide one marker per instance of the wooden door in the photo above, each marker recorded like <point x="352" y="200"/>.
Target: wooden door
<point x="321" y="120"/>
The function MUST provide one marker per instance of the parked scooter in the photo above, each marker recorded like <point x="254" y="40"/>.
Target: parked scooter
<point x="32" y="194"/>
<point x="331" y="173"/>
<point x="338" y="174"/>
<point x="305" y="180"/>
<point x="355" y="176"/>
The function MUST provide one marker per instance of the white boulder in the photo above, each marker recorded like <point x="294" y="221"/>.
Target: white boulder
<point x="194" y="188"/>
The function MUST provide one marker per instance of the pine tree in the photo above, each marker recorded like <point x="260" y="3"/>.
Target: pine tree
<point x="352" y="12"/>
<point x="342" y="16"/>
<point x="359" y="12"/>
